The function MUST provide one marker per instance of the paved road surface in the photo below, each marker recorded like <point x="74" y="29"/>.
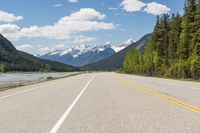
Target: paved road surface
<point x="102" y="103"/>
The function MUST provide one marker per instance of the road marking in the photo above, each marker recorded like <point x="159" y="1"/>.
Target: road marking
<point x="14" y="94"/>
<point x="64" y="116"/>
<point x="195" y="88"/>
<point x="155" y="93"/>
<point x="2" y="97"/>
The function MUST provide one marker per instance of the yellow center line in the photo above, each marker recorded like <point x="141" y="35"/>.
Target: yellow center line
<point x="155" y="93"/>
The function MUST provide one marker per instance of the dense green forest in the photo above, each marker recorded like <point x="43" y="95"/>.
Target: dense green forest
<point x="14" y="60"/>
<point x="174" y="48"/>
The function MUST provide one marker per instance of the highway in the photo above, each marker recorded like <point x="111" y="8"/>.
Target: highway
<point x="104" y="102"/>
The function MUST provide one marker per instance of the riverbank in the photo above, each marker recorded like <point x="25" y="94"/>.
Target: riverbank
<point x="13" y="80"/>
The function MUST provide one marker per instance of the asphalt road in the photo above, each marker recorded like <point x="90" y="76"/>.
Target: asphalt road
<point x="102" y="103"/>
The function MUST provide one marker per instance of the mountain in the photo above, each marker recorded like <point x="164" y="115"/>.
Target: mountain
<point x="116" y="61"/>
<point x="14" y="60"/>
<point x="84" y="54"/>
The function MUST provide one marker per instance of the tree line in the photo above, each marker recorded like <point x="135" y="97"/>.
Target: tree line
<point x="174" y="48"/>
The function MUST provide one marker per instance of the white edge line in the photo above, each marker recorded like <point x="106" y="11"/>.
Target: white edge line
<point x="195" y="88"/>
<point x="2" y="97"/>
<point x="64" y="116"/>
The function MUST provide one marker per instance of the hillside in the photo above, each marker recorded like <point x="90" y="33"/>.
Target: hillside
<point x="174" y="49"/>
<point x="116" y="60"/>
<point x="14" y="60"/>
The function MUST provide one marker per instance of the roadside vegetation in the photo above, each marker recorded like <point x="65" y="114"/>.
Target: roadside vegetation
<point x="174" y="48"/>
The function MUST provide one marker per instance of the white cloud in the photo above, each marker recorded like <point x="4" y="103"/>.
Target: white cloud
<point x="9" y="28"/>
<point x="151" y="8"/>
<point x="82" y="39"/>
<point x="58" y="5"/>
<point x="9" y="17"/>
<point x="132" y="5"/>
<point x="52" y="48"/>
<point x="45" y="49"/>
<point x="74" y="40"/>
<point x="72" y="1"/>
<point x="60" y="46"/>
<point x="24" y="47"/>
<point x="156" y="8"/>
<point x="85" y="14"/>
<point x="84" y="20"/>
<point x="10" y="31"/>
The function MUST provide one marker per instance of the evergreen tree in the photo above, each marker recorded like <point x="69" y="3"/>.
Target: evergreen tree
<point x="196" y="36"/>
<point x="195" y="67"/>
<point x="148" y="60"/>
<point x="133" y="62"/>
<point x="174" y="48"/>
<point x="183" y="47"/>
<point x="191" y="13"/>
<point x="160" y="54"/>
<point x="174" y="35"/>
<point x="195" y="57"/>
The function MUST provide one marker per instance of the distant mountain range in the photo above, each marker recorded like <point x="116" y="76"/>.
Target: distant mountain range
<point x="14" y="60"/>
<point x="86" y="54"/>
<point x="103" y="57"/>
<point x="115" y="61"/>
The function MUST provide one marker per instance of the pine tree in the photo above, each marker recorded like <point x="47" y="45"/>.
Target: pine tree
<point x="174" y="48"/>
<point x="192" y="7"/>
<point x="148" y="60"/>
<point x="183" y="47"/>
<point x="133" y="62"/>
<point x="196" y="36"/>
<point x="174" y="35"/>
<point x="195" y="58"/>
<point x="162" y="37"/>
<point x="166" y="28"/>
<point x="151" y="47"/>
<point x="160" y="55"/>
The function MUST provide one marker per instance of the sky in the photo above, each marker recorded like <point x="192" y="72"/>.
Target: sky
<point x="41" y="26"/>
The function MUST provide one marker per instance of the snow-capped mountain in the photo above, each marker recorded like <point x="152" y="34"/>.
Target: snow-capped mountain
<point x="85" y="54"/>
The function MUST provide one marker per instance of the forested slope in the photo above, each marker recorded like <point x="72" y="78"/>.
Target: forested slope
<point x="14" y="60"/>
<point x="115" y="61"/>
<point x="174" y="49"/>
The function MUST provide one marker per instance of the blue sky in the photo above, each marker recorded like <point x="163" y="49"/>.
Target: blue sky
<point x="38" y="27"/>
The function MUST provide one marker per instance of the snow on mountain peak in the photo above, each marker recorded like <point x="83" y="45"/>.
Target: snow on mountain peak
<point x="83" y="54"/>
<point x="68" y="50"/>
<point x="60" y="52"/>
<point x="117" y="48"/>
<point x="123" y="45"/>
<point x="79" y="50"/>
<point x="108" y="43"/>
<point x="128" y="42"/>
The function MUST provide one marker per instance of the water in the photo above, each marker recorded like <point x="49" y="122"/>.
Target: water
<point x="30" y="76"/>
<point x="16" y="79"/>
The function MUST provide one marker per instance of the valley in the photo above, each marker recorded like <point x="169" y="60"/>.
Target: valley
<point x="86" y="54"/>
<point x="100" y="66"/>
